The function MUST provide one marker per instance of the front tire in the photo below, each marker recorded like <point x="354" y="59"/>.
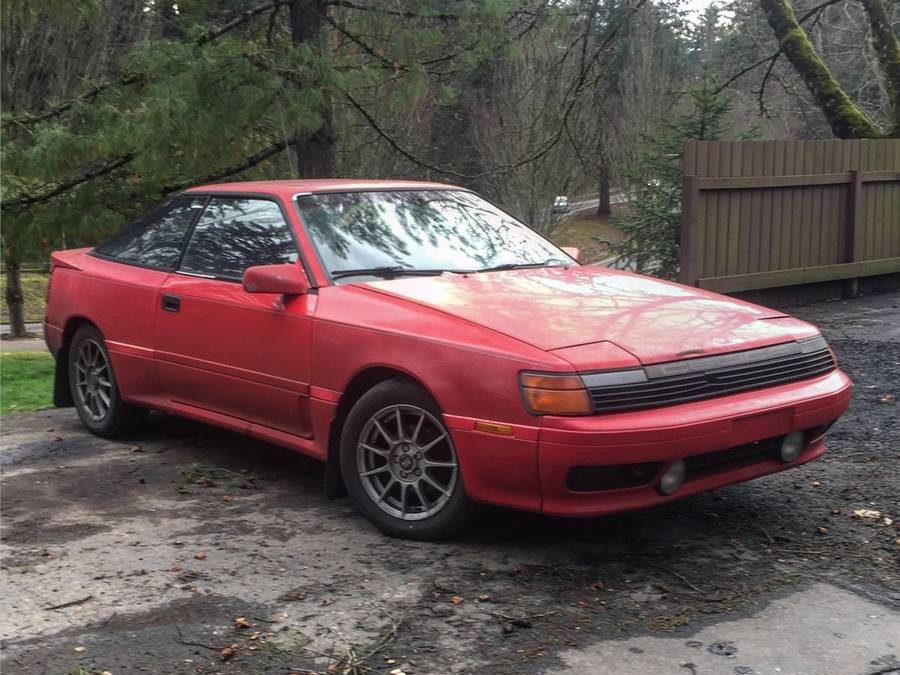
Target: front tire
<point x="400" y="465"/>
<point x="94" y="388"/>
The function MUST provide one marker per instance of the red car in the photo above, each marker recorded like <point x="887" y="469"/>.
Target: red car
<point x="433" y="351"/>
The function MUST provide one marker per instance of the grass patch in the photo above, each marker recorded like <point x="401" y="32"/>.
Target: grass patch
<point x="586" y="230"/>
<point x="26" y="381"/>
<point x="34" y="290"/>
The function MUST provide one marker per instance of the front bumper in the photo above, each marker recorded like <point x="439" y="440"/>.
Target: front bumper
<point x="653" y="439"/>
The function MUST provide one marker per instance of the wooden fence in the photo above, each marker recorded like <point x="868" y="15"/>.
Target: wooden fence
<point x="766" y="214"/>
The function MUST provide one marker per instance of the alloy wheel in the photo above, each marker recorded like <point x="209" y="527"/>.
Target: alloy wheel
<point x="92" y="380"/>
<point x="406" y="462"/>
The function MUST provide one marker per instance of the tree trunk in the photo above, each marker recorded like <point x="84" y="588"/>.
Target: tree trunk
<point x="844" y="116"/>
<point x="15" y="301"/>
<point x="604" y="205"/>
<point x="315" y="152"/>
<point x="887" y="48"/>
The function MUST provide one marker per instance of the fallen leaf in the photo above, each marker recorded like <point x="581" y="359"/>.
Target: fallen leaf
<point x="484" y="597"/>
<point x="227" y="498"/>
<point x="456" y="600"/>
<point x="887" y="398"/>
<point x="228" y="652"/>
<point x="241" y="622"/>
<point x="597" y="585"/>
<point x="200" y="555"/>
<point x="888" y="521"/>
<point x="866" y="513"/>
<point x="823" y="530"/>
<point x="136" y="448"/>
<point x="176" y="568"/>
<point x="816" y="483"/>
<point x="79" y="649"/>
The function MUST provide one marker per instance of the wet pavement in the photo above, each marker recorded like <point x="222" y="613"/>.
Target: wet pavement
<point x="188" y="549"/>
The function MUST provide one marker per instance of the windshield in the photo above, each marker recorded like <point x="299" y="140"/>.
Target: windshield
<point x="388" y="233"/>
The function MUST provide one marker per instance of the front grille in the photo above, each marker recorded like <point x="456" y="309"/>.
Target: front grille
<point x="705" y="378"/>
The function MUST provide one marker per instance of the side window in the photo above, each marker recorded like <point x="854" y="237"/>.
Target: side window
<point x="155" y="240"/>
<point x="235" y="233"/>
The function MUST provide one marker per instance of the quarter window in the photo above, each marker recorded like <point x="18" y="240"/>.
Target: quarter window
<point x="157" y="239"/>
<point x="235" y="233"/>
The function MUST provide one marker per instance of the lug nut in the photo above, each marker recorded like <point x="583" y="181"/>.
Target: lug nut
<point x="418" y="455"/>
<point x="418" y="472"/>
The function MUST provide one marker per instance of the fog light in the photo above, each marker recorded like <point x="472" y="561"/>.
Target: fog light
<point x="673" y="477"/>
<point x="791" y="447"/>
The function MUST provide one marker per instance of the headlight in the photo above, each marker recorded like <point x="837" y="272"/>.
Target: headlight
<point x="554" y="394"/>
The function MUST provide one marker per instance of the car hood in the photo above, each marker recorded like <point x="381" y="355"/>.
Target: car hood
<point x="557" y="307"/>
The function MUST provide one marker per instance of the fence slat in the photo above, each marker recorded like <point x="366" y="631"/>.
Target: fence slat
<point x="759" y="207"/>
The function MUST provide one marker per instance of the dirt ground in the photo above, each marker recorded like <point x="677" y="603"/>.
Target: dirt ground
<point x="193" y="550"/>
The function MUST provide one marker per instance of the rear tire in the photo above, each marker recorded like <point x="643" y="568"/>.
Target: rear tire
<point x="94" y="388"/>
<point x="400" y="466"/>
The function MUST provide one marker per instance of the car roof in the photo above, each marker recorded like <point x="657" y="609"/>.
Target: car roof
<point x="289" y="188"/>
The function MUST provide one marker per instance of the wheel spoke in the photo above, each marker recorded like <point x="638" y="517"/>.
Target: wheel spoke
<point x="387" y="489"/>
<point x="415" y="435"/>
<point x="426" y="448"/>
<point x="421" y="496"/>
<point x="428" y="479"/>
<point x="373" y="472"/>
<point x="383" y="432"/>
<point x="403" y="490"/>
<point x="374" y="450"/>
<point x="104" y="397"/>
<point x="440" y="465"/>
<point x="399" y="425"/>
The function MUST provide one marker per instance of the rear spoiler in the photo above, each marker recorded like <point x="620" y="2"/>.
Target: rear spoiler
<point x="70" y="259"/>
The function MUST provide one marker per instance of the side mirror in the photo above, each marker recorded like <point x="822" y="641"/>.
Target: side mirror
<point x="572" y="251"/>
<point x="287" y="279"/>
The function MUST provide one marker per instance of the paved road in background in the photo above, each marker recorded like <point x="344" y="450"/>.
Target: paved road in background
<point x="139" y="556"/>
<point x="29" y="345"/>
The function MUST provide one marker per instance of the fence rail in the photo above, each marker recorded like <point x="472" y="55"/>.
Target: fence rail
<point x="765" y="214"/>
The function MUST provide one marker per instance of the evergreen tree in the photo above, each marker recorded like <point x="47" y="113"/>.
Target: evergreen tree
<point x="652" y="224"/>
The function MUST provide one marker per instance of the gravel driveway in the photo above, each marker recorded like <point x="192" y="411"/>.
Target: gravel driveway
<point x="194" y="550"/>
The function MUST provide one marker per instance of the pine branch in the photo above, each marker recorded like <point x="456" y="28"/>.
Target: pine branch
<point x="87" y="97"/>
<point x="248" y="163"/>
<point x="239" y="21"/>
<point x="47" y="193"/>
<point x="348" y="4"/>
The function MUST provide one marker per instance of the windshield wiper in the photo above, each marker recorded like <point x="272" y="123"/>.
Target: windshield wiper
<point x="519" y="266"/>
<point x="387" y="271"/>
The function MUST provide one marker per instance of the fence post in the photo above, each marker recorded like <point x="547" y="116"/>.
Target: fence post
<point x="854" y="216"/>
<point x="690" y="198"/>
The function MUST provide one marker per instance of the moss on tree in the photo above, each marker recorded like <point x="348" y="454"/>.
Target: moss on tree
<point x="843" y="115"/>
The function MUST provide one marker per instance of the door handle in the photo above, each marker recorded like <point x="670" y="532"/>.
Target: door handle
<point x="171" y="303"/>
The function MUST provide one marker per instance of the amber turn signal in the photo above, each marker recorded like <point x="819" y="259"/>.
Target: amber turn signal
<point x="548" y="394"/>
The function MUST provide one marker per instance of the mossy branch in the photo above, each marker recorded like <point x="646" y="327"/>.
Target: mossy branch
<point x="843" y="115"/>
<point x="887" y="49"/>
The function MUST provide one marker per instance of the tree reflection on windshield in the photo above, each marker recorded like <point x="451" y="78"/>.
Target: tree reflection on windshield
<point x="418" y="229"/>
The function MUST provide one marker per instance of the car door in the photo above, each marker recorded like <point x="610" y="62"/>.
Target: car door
<point x="221" y="349"/>
<point x="122" y="292"/>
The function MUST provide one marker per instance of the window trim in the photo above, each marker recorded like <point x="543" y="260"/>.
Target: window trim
<point x="149" y="214"/>
<point x="209" y="196"/>
<point x="331" y="282"/>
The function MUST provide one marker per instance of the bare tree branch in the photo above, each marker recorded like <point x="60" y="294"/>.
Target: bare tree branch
<point x="774" y="57"/>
